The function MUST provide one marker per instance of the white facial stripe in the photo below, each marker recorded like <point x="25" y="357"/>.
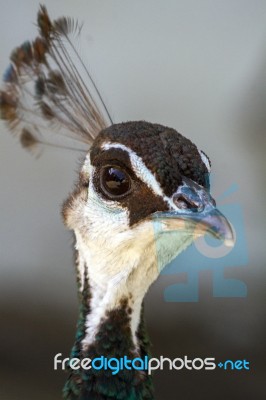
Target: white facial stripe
<point x="205" y="160"/>
<point x="141" y="170"/>
<point x="138" y="166"/>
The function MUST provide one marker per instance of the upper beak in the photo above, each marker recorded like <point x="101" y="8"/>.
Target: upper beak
<point x="195" y="212"/>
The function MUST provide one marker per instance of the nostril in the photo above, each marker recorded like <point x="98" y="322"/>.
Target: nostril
<point x="184" y="203"/>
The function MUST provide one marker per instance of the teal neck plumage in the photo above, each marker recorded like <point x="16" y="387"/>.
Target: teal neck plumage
<point x="113" y="339"/>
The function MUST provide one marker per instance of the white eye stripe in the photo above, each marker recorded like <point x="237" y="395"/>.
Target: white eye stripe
<point x="140" y="170"/>
<point x="205" y="160"/>
<point x="138" y="166"/>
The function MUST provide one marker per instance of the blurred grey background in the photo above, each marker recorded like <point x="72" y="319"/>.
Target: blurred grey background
<point x="199" y="67"/>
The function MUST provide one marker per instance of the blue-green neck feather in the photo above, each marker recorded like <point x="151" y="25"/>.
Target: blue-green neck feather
<point x="114" y="339"/>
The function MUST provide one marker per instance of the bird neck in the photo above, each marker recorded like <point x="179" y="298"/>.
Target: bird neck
<point x="110" y="325"/>
<point x="112" y="280"/>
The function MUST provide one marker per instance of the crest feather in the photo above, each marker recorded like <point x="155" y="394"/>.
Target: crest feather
<point x="48" y="92"/>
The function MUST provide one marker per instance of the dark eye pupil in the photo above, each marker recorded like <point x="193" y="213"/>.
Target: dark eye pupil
<point x="115" y="181"/>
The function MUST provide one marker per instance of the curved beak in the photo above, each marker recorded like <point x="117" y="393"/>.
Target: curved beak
<point x="195" y="213"/>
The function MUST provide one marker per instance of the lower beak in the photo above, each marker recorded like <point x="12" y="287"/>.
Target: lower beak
<point x="210" y="221"/>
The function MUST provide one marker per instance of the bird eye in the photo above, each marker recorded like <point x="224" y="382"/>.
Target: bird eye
<point x="115" y="182"/>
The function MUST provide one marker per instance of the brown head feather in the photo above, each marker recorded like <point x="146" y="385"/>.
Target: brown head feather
<point x="8" y="106"/>
<point x="44" y="23"/>
<point x="27" y="140"/>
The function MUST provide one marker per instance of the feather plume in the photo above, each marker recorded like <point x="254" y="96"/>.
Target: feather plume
<point x="48" y="92"/>
<point x="35" y="145"/>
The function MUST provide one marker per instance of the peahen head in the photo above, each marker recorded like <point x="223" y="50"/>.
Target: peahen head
<point x="142" y="197"/>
